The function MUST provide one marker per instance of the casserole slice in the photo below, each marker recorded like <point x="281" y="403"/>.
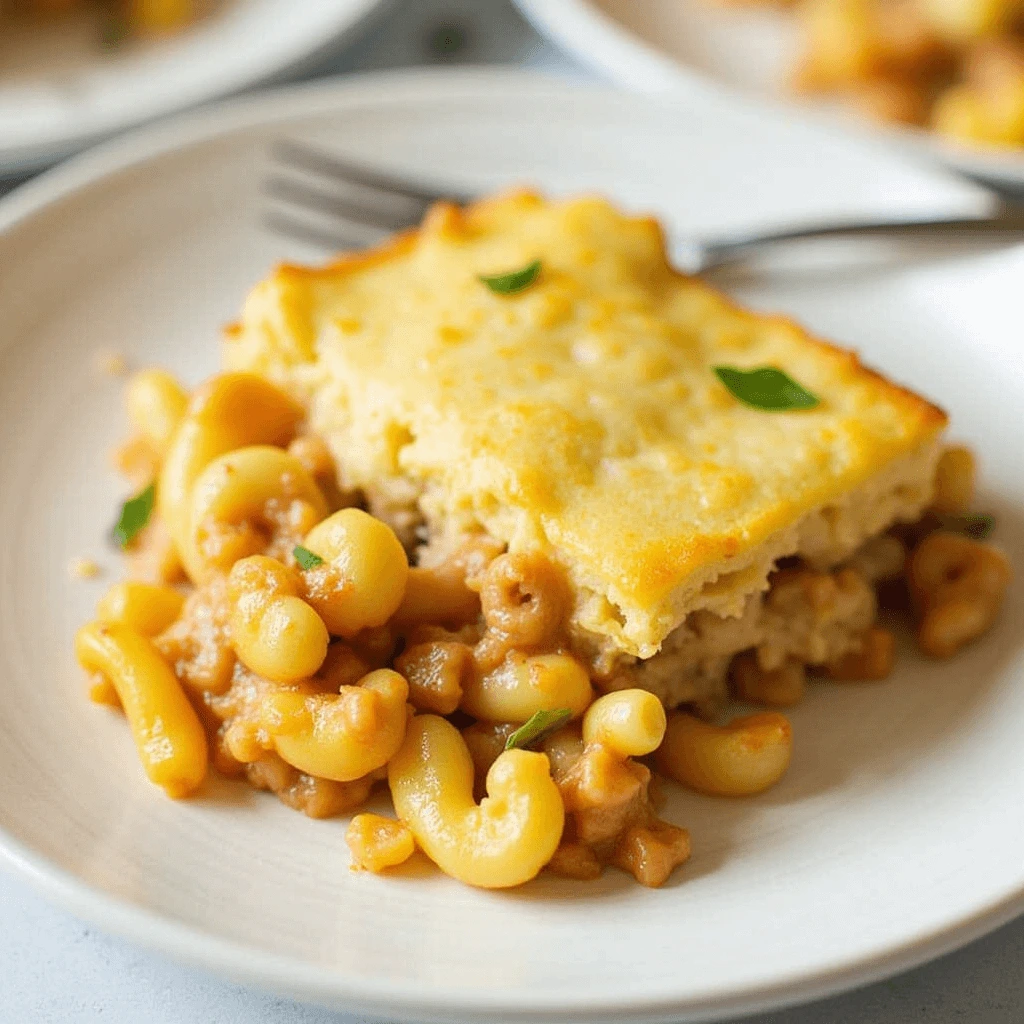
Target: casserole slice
<point x="577" y="411"/>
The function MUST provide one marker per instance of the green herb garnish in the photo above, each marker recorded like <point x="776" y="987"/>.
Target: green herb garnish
<point x="307" y="559"/>
<point x="765" y="388"/>
<point x="539" y="726"/>
<point x="135" y="513"/>
<point x="516" y="281"/>
<point x="976" y="525"/>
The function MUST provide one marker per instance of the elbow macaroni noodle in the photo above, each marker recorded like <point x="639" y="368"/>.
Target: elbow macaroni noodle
<point x="743" y="758"/>
<point x="629" y="722"/>
<point x="298" y="662"/>
<point x="147" y="608"/>
<point x="501" y="842"/>
<point x="362" y="581"/>
<point x="521" y="686"/>
<point x="275" y="633"/>
<point x="341" y="736"/>
<point x="168" y="734"/>
<point x="232" y="411"/>
<point x="241" y="499"/>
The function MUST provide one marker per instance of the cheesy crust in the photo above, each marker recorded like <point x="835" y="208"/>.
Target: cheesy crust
<point x="581" y="416"/>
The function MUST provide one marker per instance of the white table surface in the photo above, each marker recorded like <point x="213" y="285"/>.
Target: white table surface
<point x="54" y="968"/>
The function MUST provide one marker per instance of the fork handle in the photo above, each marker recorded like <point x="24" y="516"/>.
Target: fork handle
<point x="1008" y="221"/>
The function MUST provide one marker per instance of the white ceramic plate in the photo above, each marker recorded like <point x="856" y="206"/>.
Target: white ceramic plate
<point x="897" y="833"/>
<point x="689" y="44"/>
<point x="60" y="90"/>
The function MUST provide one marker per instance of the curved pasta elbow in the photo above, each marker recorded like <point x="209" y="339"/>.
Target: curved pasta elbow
<point x="501" y="842"/>
<point x="958" y="586"/>
<point x="244" y="503"/>
<point x="168" y="734"/>
<point x="362" y="581"/>
<point x="340" y="736"/>
<point x="274" y="632"/>
<point x="229" y="411"/>
<point x="631" y="723"/>
<point x="743" y="758"/>
<point x="145" y="607"/>
<point x="523" y="685"/>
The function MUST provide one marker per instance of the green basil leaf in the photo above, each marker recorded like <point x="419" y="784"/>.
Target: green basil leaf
<point x="516" y="281"/>
<point x="135" y="513"/>
<point x="539" y="726"/>
<point x="765" y="388"/>
<point x="307" y="559"/>
<point x="976" y="525"/>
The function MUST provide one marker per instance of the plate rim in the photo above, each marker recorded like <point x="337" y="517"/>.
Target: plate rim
<point x="596" y="39"/>
<point x="188" y="944"/>
<point x="345" y="26"/>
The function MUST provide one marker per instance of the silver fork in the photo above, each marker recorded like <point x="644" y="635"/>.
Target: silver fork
<point x="325" y="200"/>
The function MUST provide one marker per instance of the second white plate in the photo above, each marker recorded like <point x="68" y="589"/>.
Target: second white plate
<point x="897" y="832"/>
<point x="59" y="89"/>
<point x="694" y="45"/>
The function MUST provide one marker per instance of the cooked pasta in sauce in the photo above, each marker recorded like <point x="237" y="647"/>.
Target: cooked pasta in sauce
<point x="295" y="631"/>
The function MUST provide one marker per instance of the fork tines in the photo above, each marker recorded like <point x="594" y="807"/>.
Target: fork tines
<point x="328" y="201"/>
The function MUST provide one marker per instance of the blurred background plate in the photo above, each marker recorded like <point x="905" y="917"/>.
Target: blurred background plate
<point x="60" y="89"/>
<point x="693" y="45"/>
